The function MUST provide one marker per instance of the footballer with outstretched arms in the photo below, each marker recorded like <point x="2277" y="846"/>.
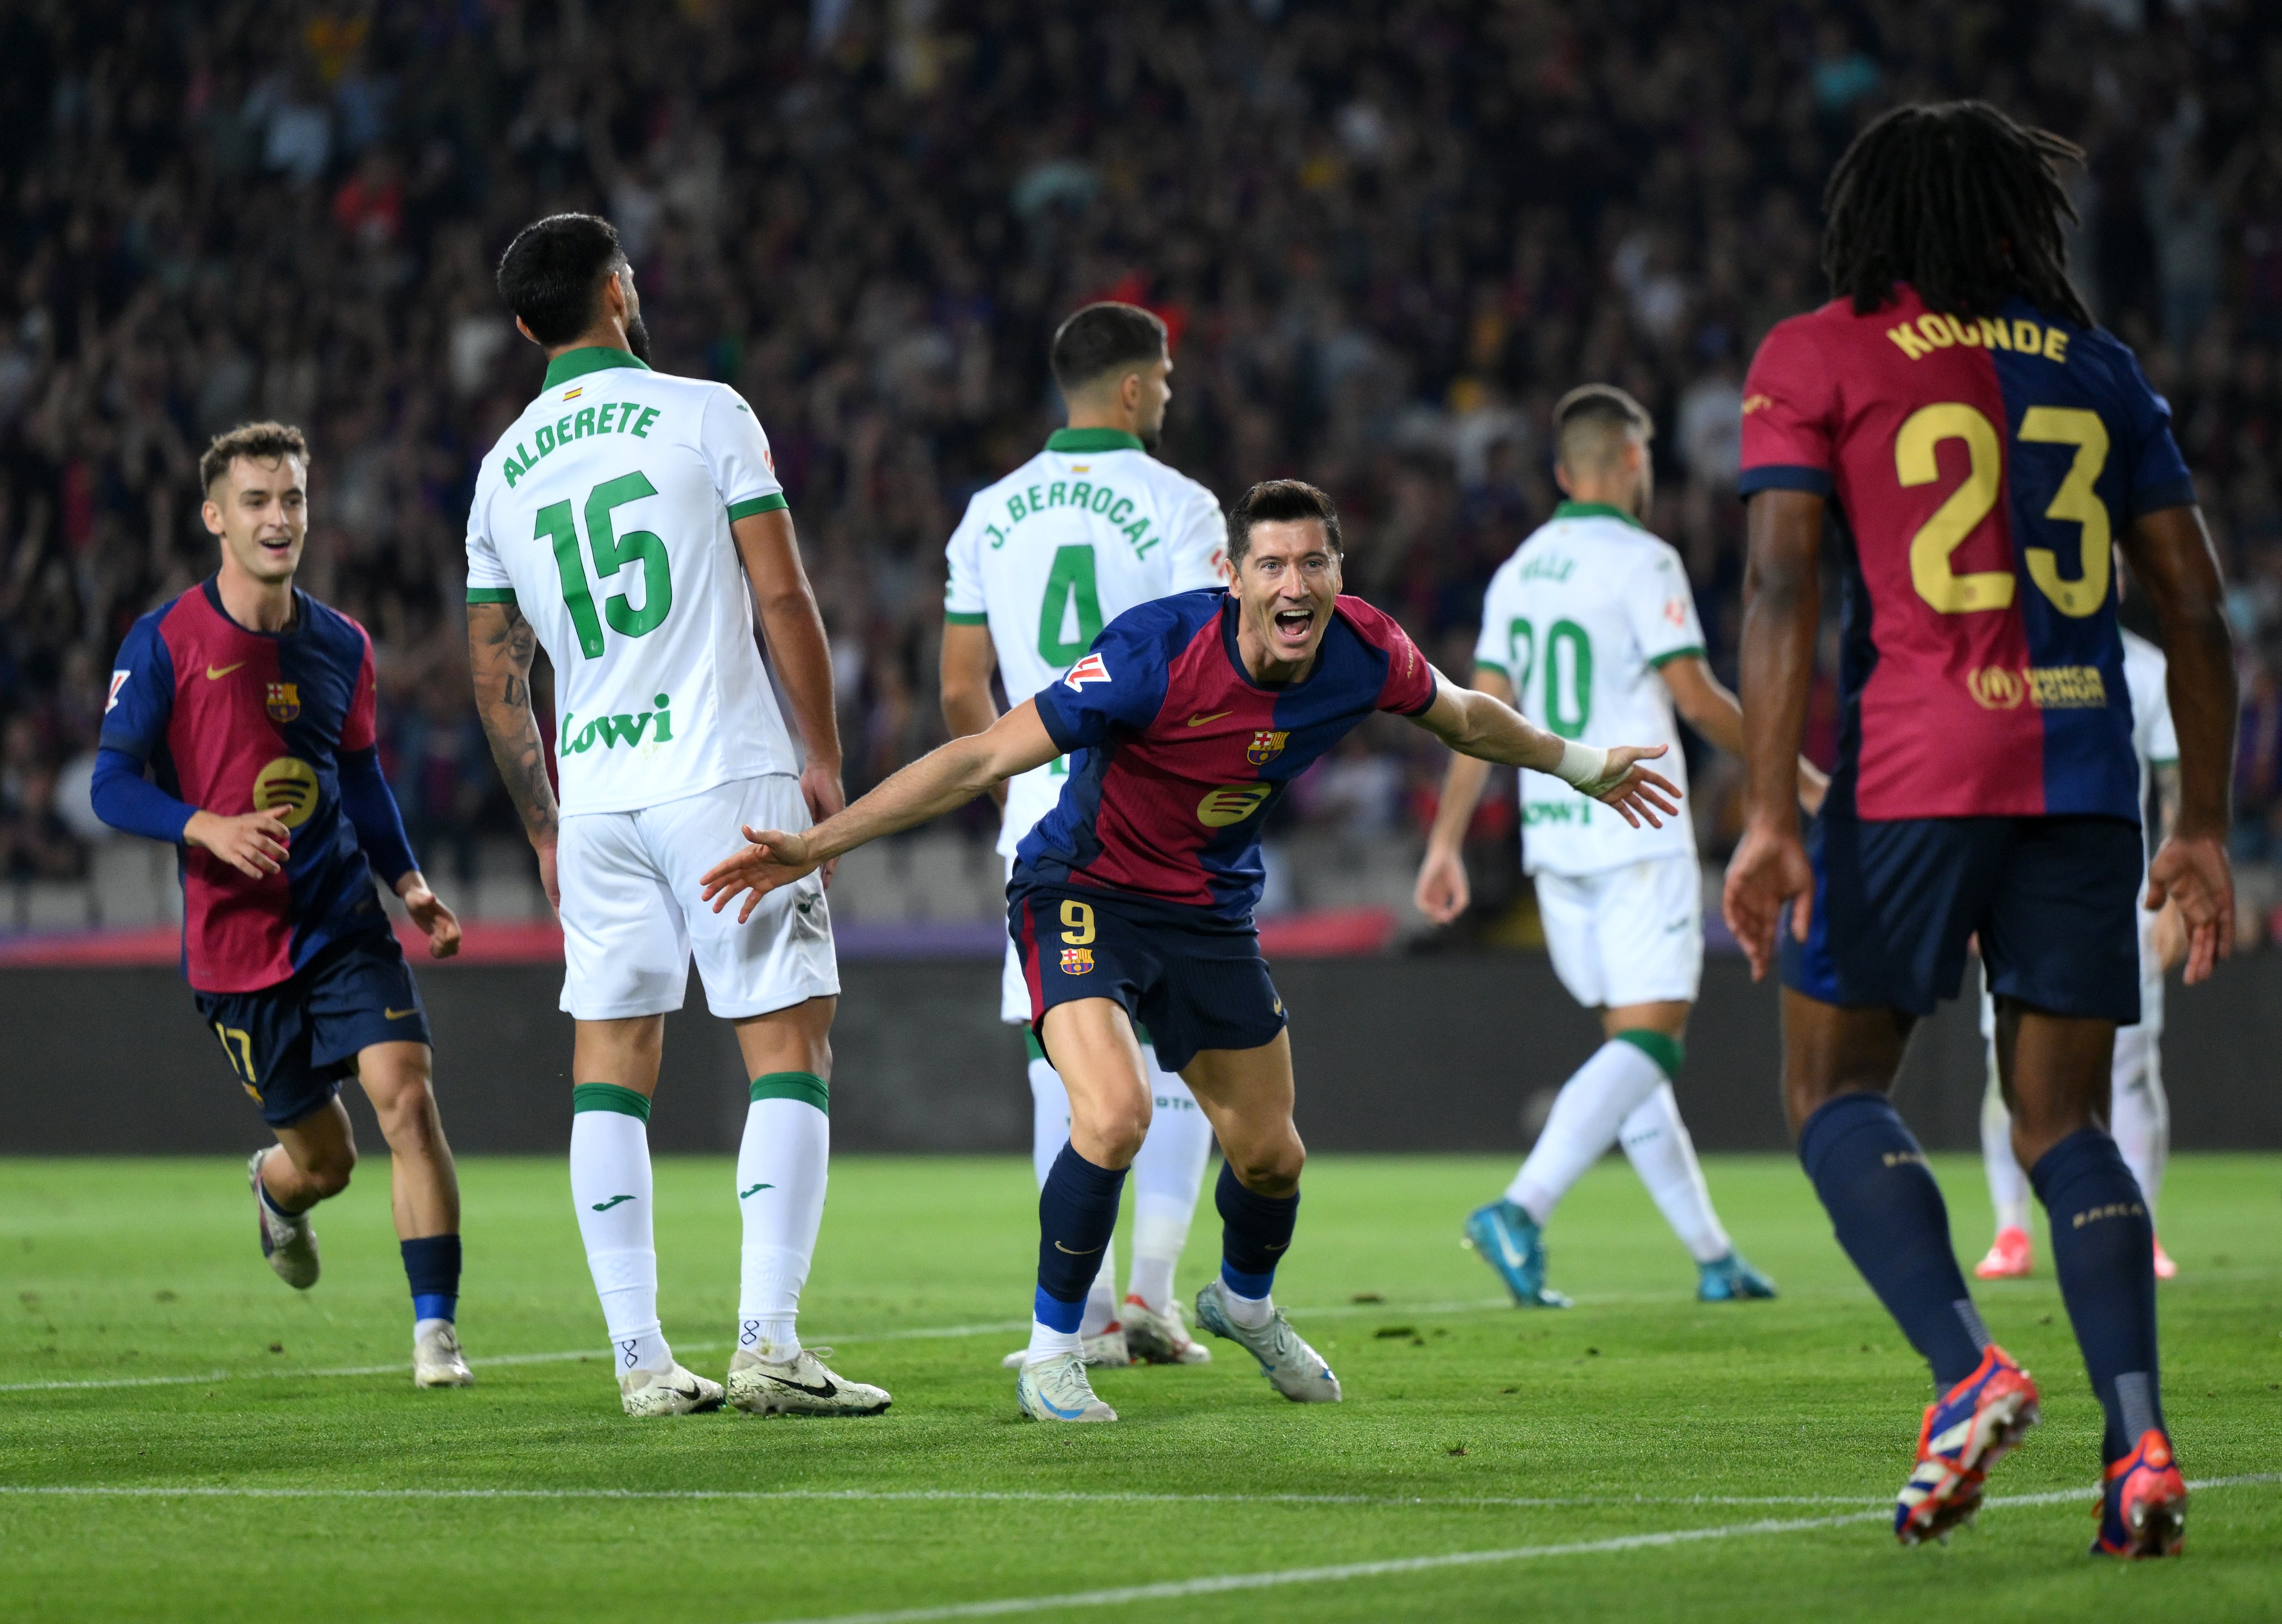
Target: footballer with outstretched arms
<point x="1045" y="558"/>
<point x="1976" y="444"/>
<point x="1132" y="900"/>
<point x="1589" y="630"/>
<point x="249" y="707"/>
<point x="627" y="521"/>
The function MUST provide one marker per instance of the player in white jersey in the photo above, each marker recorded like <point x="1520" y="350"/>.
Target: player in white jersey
<point x="2138" y="1112"/>
<point x="1081" y="532"/>
<point x="1590" y="630"/>
<point x="627" y="521"/>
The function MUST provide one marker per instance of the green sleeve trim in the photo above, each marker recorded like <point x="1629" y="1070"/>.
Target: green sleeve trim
<point x="609" y="1097"/>
<point x="952" y="617"/>
<point x="491" y="594"/>
<point x="1031" y="1046"/>
<point x="2162" y="761"/>
<point x="805" y="1086"/>
<point x="1492" y="665"/>
<point x="1694" y="651"/>
<point x="1667" y="1052"/>
<point x="746" y="509"/>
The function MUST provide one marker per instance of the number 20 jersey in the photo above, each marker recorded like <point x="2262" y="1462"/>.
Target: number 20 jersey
<point x="604" y="515"/>
<point x="1049" y="555"/>
<point x="1978" y="470"/>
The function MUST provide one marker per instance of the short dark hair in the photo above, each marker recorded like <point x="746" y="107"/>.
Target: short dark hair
<point x="1103" y="337"/>
<point x="1958" y="201"/>
<point x="551" y="275"/>
<point x="1274" y="501"/>
<point x="259" y="441"/>
<point x="1597" y="409"/>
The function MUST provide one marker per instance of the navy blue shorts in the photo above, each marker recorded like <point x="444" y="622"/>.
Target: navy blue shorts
<point x="292" y="1043"/>
<point x="1191" y="982"/>
<point x="2054" y="901"/>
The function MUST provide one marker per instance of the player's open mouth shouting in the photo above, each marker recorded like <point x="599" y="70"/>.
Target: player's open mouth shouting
<point x="1290" y="602"/>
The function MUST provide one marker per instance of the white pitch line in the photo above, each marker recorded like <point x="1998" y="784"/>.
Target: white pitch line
<point x="1179" y="1589"/>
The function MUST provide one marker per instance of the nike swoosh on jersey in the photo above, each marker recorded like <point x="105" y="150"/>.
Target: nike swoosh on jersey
<point x="215" y="673"/>
<point x="400" y="1015"/>
<point x="1217" y="715"/>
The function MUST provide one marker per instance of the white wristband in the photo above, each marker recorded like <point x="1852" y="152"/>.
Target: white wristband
<point x="1581" y="764"/>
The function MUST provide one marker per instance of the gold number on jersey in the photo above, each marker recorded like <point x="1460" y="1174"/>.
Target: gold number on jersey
<point x="1077" y="922"/>
<point x="2076" y="501"/>
<point x="1915" y="464"/>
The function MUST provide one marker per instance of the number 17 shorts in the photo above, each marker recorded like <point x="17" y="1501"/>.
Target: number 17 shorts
<point x="632" y="913"/>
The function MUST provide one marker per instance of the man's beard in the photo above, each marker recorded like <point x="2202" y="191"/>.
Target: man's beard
<point x="637" y="338"/>
<point x="1150" y="434"/>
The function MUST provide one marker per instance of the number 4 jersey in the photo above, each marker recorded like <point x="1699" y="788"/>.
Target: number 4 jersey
<point x="603" y="514"/>
<point x="1979" y="471"/>
<point x="1081" y="532"/>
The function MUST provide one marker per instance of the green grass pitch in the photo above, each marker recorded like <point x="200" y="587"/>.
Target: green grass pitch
<point x="274" y="1483"/>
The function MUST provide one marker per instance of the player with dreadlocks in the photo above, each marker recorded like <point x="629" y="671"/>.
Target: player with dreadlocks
<point x="1975" y="446"/>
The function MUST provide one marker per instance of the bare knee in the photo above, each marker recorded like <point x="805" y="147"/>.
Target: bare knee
<point x="1110" y="1135"/>
<point x="1270" y="1168"/>
<point x="329" y="1174"/>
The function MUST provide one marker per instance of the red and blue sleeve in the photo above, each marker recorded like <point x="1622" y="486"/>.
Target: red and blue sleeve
<point x="1409" y="687"/>
<point x="1788" y="410"/>
<point x="134" y="718"/>
<point x="1120" y="684"/>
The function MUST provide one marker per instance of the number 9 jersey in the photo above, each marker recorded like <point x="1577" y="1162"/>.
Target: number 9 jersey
<point x="604" y="515"/>
<point x="1979" y="471"/>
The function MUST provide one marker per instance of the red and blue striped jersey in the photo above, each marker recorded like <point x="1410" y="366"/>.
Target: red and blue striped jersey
<point x="232" y="721"/>
<point x="1177" y="755"/>
<point x="1979" y="471"/>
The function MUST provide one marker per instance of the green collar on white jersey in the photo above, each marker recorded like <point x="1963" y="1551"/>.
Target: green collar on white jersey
<point x="1089" y="439"/>
<point x="588" y="358"/>
<point x="1567" y="510"/>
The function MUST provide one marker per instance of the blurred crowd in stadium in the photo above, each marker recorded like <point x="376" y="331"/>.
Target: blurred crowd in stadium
<point x="1386" y="236"/>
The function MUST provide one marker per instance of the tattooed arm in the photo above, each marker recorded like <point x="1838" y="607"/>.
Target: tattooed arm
<point x="500" y="644"/>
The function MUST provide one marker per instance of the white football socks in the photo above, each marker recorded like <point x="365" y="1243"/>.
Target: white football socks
<point x="1592" y="1106"/>
<point x="2008" y="1185"/>
<point x="610" y="1190"/>
<point x="783" y="1162"/>
<point x="2138" y="1113"/>
<point x="1664" y="1156"/>
<point x="1166" y="1177"/>
<point x="1251" y="1313"/>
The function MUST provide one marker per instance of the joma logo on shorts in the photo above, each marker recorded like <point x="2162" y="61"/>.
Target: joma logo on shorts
<point x="610" y="731"/>
<point x="2114" y="1208"/>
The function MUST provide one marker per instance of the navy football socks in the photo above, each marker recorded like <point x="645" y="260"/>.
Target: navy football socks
<point x="1888" y="1214"/>
<point x="2103" y="1252"/>
<point x="432" y="1265"/>
<point x="1255" y="1230"/>
<point x="1077" y="1210"/>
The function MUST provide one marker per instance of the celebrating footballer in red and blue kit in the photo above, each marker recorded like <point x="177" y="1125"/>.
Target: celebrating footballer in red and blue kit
<point x="249" y="707"/>
<point x="1140" y="885"/>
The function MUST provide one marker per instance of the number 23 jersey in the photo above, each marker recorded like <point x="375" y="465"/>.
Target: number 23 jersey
<point x="1979" y="471"/>
<point x="604" y="515"/>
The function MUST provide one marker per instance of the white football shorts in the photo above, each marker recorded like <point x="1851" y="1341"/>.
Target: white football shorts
<point x="1013" y="988"/>
<point x="1633" y="935"/>
<point x="633" y="915"/>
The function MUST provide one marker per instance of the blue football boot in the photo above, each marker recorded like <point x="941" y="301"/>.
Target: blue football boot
<point x="1730" y="1280"/>
<point x="1510" y="1243"/>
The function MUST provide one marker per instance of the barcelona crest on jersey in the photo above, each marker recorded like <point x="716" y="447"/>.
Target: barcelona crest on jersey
<point x="283" y="702"/>
<point x="1265" y="746"/>
<point x="1078" y="961"/>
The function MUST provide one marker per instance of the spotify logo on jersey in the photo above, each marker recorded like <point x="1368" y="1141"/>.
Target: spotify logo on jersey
<point x="287" y="786"/>
<point x="1231" y="805"/>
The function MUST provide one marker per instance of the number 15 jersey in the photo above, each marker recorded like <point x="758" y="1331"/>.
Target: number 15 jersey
<point x="1979" y="471"/>
<point x="604" y="515"/>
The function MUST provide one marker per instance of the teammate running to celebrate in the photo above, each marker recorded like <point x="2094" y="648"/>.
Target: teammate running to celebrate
<point x="1590" y="630"/>
<point x="251" y="703"/>
<point x="627" y="521"/>
<point x="1079" y="534"/>
<point x="1976" y="442"/>
<point x="2138" y="1114"/>
<point x="1132" y="900"/>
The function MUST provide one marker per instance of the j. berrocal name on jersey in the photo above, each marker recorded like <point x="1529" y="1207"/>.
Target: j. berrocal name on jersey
<point x="1104" y="500"/>
<point x="622" y="729"/>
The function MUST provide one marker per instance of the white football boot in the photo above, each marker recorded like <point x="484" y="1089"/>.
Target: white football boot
<point x="1160" y="1339"/>
<point x="1056" y="1389"/>
<point x="803" y="1386"/>
<point x="1291" y="1368"/>
<point x="289" y="1243"/>
<point x="673" y="1392"/>
<point x="437" y="1361"/>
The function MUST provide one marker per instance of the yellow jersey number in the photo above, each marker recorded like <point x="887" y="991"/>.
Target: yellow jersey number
<point x="1078" y="923"/>
<point x="2075" y="502"/>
